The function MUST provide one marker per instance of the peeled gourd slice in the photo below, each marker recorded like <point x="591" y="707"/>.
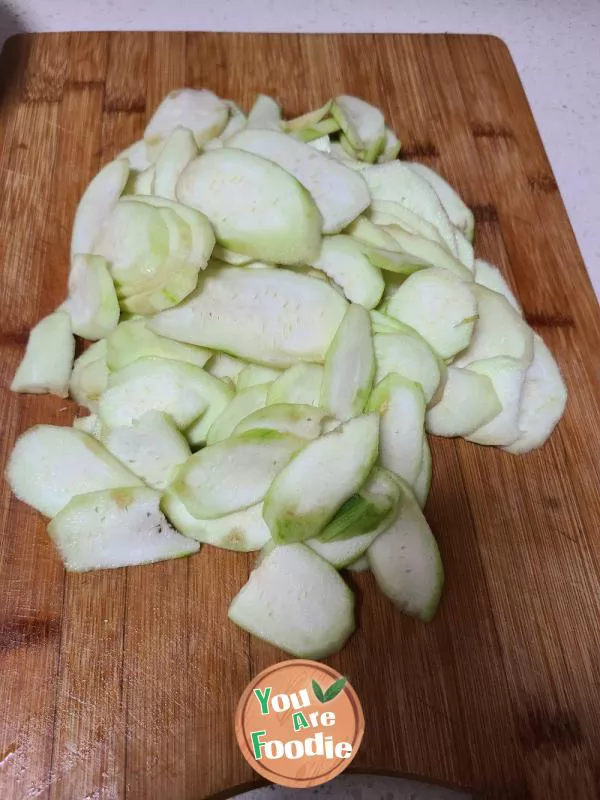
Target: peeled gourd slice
<point x="97" y="202"/>
<point x="133" y="339"/>
<point x="203" y="238"/>
<point x="254" y="374"/>
<point x="265" y="114"/>
<point x="271" y="316"/>
<point x="297" y="601"/>
<point x="365" y="511"/>
<point x="383" y="250"/>
<point x="410" y="356"/>
<point x="48" y="360"/>
<point x="116" y="528"/>
<point x="233" y="474"/>
<point x="342" y="553"/>
<point x="180" y="148"/>
<point x="499" y="331"/>
<point x="349" y="366"/>
<point x="229" y="257"/>
<point x="92" y="303"/>
<point x="360" y="565"/>
<point x="159" y="384"/>
<point x="90" y="376"/>
<point x="236" y="122"/>
<point x="387" y="212"/>
<point x="307" y="493"/>
<point x="459" y="213"/>
<point x="308" y="120"/>
<point x="422" y="484"/>
<point x="489" y="276"/>
<point x="382" y="323"/>
<point x="508" y="376"/>
<point x="244" y="403"/>
<point x="465" y="251"/>
<point x="395" y="181"/>
<point x="140" y="183"/>
<point x="300" y="384"/>
<point x="468" y="402"/>
<point x="439" y="306"/>
<point x="318" y="133"/>
<point x="391" y="147"/>
<point x="406" y="561"/>
<point x="200" y="111"/>
<point x="425" y="250"/>
<point x="50" y="465"/>
<point x="137" y="156"/>
<point x="362" y="124"/>
<point x="152" y="448"/>
<point x="300" y="420"/>
<point x="90" y="424"/>
<point x="343" y="259"/>
<point x="243" y="531"/>
<point x="339" y="193"/>
<point x="542" y="402"/>
<point x="223" y="366"/>
<point x="401" y="406"/>
<point x="255" y="206"/>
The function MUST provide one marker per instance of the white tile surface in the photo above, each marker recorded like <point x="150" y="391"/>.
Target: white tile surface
<point x="555" y="44"/>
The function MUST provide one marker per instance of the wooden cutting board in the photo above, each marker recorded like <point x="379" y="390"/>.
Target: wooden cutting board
<point x="124" y="683"/>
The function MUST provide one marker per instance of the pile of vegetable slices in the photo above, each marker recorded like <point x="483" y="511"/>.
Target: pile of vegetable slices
<point x="280" y="311"/>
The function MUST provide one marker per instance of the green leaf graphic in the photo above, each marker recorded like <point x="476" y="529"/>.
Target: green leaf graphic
<point x="318" y="692"/>
<point x="335" y="689"/>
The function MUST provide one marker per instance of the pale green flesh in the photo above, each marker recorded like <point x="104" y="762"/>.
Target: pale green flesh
<point x="401" y="406"/>
<point x="244" y="403"/>
<point x="116" y="528"/>
<point x="406" y="562"/>
<point x="48" y="360"/>
<point x="297" y="601"/>
<point x="468" y="401"/>
<point x="199" y="110"/>
<point x="97" y="202"/>
<point x="386" y="212"/>
<point x="133" y="339"/>
<point x="349" y="366"/>
<point x="360" y="565"/>
<point x="460" y="215"/>
<point x="220" y="365"/>
<point x="270" y="316"/>
<point x="254" y="374"/>
<point x="92" y="304"/>
<point x="233" y="474"/>
<point x="243" y="531"/>
<point x="432" y="253"/>
<point x="50" y="465"/>
<point x="306" y="494"/>
<point x="508" y="377"/>
<point x="343" y="260"/>
<point x="255" y="206"/>
<point x="300" y="384"/>
<point x="180" y="148"/>
<point x="409" y="356"/>
<point x="422" y="483"/>
<point x="304" y="421"/>
<point x="265" y="114"/>
<point x="90" y="376"/>
<point x="489" y="276"/>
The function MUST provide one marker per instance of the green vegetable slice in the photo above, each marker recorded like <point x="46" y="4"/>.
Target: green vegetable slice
<point x="48" y="360"/>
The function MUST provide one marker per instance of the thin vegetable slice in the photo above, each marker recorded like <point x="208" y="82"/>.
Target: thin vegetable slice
<point x="542" y="402"/>
<point x="137" y="156"/>
<point x="459" y="213"/>
<point x="199" y="110"/>
<point x="159" y="384"/>
<point x="406" y="562"/>
<point x="180" y="148"/>
<point x="48" y="360"/>
<point x="90" y="424"/>
<point x="362" y="124"/>
<point x="236" y="122"/>
<point x="349" y="366"/>
<point x="306" y="494"/>
<point x="300" y="420"/>
<point x="360" y="565"/>
<point x="434" y="254"/>
<point x="401" y="405"/>
<point x="309" y="119"/>
<point x="391" y="147"/>
<point x="244" y="403"/>
<point x="90" y="376"/>
<point x="422" y="484"/>
<point x="225" y="367"/>
<point x="508" y="376"/>
<point x="97" y="202"/>
<point x="499" y="331"/>
<point x="152" y="448"/>
<point x="243" y="531"/>
<point x="439" y="306"/>
<point x="468" y="402"/>
<point x="265" y="114"/>
<point x="410" y="356"/>
<point x="343" y="259"/>
<point x="116" y="528"/>
<point x="489" y="276"/>
<point x="233" y="474"/>
<point x="297" y="601"/>
<point x="255" y="206"/>
<point x="254" y="374"/>
<point x="387" y="212"/>
<point x="339" y="193"/>
<point x="271" y="316"/>
<point x="140" y="183"/>
<point x="50" y="465"/>
<point x="92" y="303"/>
<point x="133" y="339"/>
<point x="383" y="250"/>
<point x="300" y="384"/>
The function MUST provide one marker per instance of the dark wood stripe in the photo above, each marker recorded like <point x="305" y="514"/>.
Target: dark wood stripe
<point x="485" y="213"/>
<point x="25" y="631"/>
<point x="544" y="183"/>
<point x="560" y="730"/>
<point x="482" y="130"/>
<point x="541" y="320"/>
<point x="420" y="150"/>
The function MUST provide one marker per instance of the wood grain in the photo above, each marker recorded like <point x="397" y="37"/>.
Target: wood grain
<point x="124" y="683"/>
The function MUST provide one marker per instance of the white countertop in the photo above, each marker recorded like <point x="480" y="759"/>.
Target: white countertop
<point x="555" y="44"/>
